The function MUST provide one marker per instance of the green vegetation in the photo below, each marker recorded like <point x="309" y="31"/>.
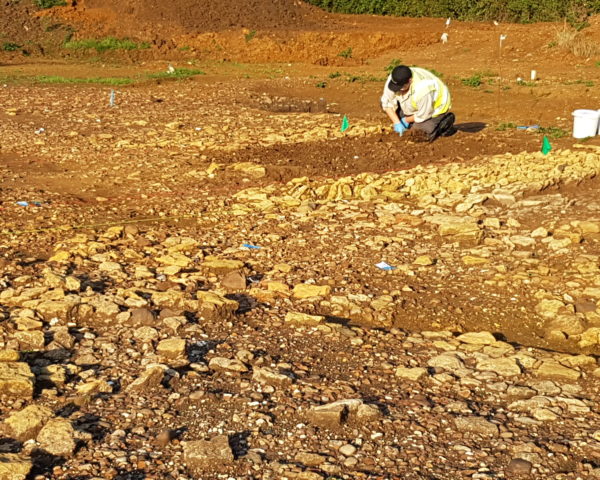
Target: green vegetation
<point x="179" y="73"/>
<point x="50" y="3"/>
<point x="395" y="62"/>
<point x="506" y="126"/>
<point x="575" y="12"/>
<point x="10" y="47"/>
<point x="585" y="83"/>
<point x="104" y="44"/>
<point x="250" y="35"/>
<point x="321" y="84"/>
<point x="364" y="78"/>
<point x="115" y="81"/>
<point x="554" y="132"/>
<point x="524" y="83"/>
<point x="346" y="53"/>
<point x="472" y="81"/>
<point x="335" y="75"/>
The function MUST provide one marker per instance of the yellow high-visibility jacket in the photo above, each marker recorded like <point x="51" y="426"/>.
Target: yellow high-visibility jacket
<point x="428" y="97"/>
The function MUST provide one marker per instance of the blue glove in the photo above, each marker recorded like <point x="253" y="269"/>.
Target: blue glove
<point x="404" y="123"/>
<point x="399" y="128"/>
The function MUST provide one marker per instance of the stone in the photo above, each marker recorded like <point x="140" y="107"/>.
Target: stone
<point x="218" y="265"/>
<point x="590" y="337"/>
<point x="141" y="317"/>
<point x="93" y="387"/>
<point x="333" y="415"/>
<point x="518" y="466"/>
<point x="278" y="287"/>
<point x="14" y="466"/>
<point x="412" y="374"/>
<point x="9" y="355"/>
<point x="171" y="348"/>
<point x="477" y="338"/>
<point x="447" y="361"/>
<point x="268" y="377"/>
<point x="221" y="364"/>
<point x="304" y="290"/>
<point x="16" y="380"/>
<point x="569" y="324"/>
<point x="214" y="306"/>
<point x="310" y="459"/>
<point x="549" y="308"/>
<point x="234" y="281"/>
<point x="208" y="454"/>
<point x="175" y="259"/>
<point x="30" y="340"/>
<point x="27" y="423"/>
<point x="507" y="367"/>
<point x="470" y="260"/>
<point x="478" y="425"/>
<point x="424" y="260"/>
<point x="328" y="416"/>
<point x="146" y="334"/>
<point x="552" y="369"/>
<point x="303" y="318"/>
<point x="110" y="267"/>
<point x="150" y="378"/>
<point x="57" y="437"/>
<point x="347" y="450"/>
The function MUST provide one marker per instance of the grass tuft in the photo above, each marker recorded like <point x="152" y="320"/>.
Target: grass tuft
<point x="50" y="3"/>
<point x="347" y="53"/>
<point x="104" y="44"/>
<point x="115" y="81"/>
<point x="10" y="47"/>
<point x="394" y="62"/>
<point x="179" y="73"/>
<point x="473" y="81"/>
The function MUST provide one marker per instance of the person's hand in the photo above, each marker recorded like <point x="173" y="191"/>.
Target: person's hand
<point x="399" y="128"/>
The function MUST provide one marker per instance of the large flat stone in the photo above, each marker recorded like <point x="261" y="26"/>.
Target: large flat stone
<point x="16" y="379"/>
<point x="27" y="423"/>
<point x="14" y="467"/>
<point x="208" y="454"/>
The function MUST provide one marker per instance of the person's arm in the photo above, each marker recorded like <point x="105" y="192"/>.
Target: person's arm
<point x="391" y="112"/>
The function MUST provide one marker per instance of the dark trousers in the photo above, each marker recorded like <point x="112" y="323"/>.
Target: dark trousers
<point x="428" y="126"/>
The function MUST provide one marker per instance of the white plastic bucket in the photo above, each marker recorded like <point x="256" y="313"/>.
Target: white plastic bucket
<point x="585" y="123"/>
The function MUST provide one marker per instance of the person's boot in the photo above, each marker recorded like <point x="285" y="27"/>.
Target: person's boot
<point x="445" y="128"/>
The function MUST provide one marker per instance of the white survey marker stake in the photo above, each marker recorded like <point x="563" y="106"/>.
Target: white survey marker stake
<point x="448" y="22"/>
<point x="444" y="37"/>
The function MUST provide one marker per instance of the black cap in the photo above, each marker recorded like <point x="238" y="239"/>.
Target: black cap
<point x="400" y="76"/>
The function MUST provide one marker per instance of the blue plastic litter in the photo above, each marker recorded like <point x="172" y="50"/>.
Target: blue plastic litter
<point x="384" y="266"/>
<point x="528" y="127"/>
<point x="248" y="245"/>
<point x="23" y="204"/>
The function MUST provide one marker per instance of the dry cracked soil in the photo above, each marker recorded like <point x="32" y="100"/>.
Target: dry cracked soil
<point x="202" y="277"/>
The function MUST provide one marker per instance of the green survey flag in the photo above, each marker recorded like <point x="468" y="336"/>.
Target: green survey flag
<point x="345" y="124"/>
<point x="546" y="147"/>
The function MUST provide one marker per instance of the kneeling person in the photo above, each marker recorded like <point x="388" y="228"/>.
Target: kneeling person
<point x="415" y="97"/>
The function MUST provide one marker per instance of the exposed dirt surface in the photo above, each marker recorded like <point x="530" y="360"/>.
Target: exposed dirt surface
<point x="205" y="278"/>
